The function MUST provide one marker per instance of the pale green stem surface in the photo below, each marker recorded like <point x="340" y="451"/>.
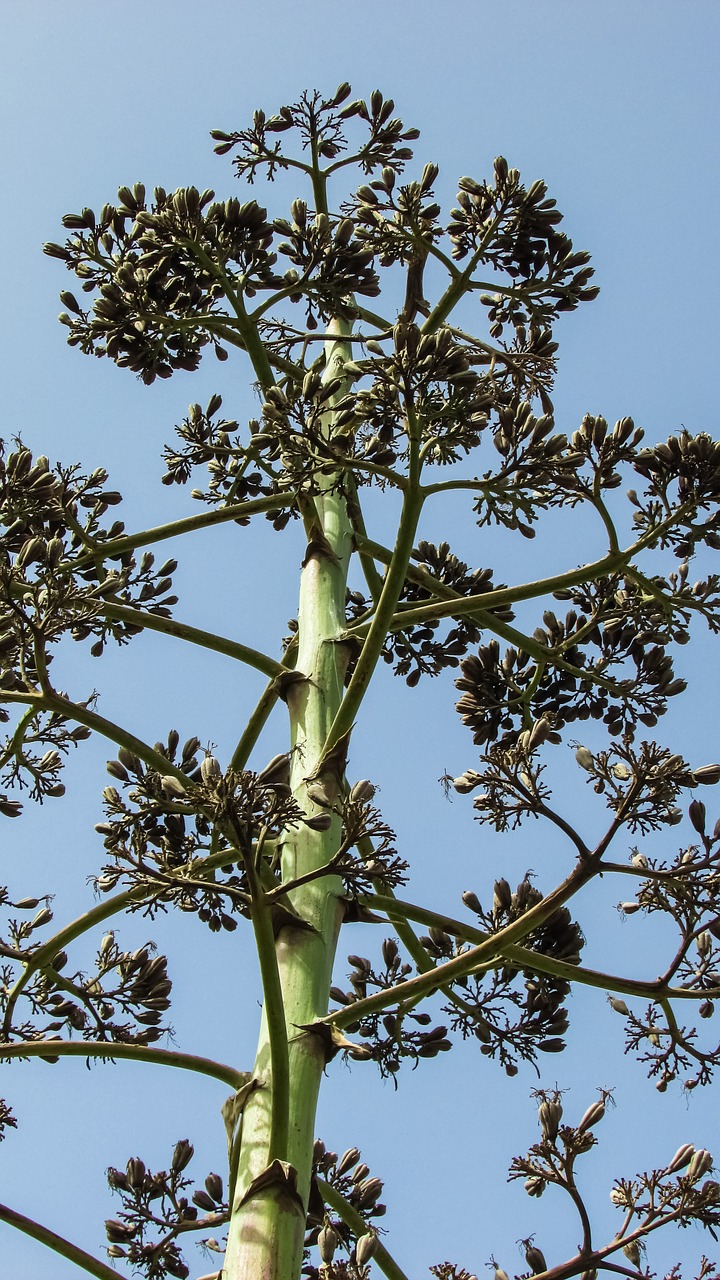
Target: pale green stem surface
<point x="267" y="1226"/>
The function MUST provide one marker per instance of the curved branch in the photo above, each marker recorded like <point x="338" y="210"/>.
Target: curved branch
<point x="108" y="1050"/>
<point x="116" y="547"/>
<point x="425" y="983"/>
<point x="359" y="1227"/>
<point x="60" y="1245"/>
<point x="46" y="953"/>
<point x="195" y="635"/>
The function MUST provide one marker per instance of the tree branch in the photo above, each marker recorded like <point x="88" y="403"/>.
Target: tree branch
<point x="108" y="1050"/>
<point x="60" y="1245"/>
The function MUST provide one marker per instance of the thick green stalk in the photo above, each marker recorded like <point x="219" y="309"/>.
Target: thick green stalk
<point x="268" y="1222"/>
<point x="382" y="618"/>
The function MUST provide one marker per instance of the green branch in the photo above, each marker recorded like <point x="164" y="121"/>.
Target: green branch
<point x="450" y="604"/>
<point x="69" y="710"/>
<point x="263" y="709"/>
<point x="60" y="1245"/>
<point x="519" y="956"/>
<point x="461" y="282"/>
<point x="425" y="984"/>
<point x="359" y="1227"/>
<point x="274" y="1010"/>
<point x="205" y="639"/>
<point x="105" y="910"/>
<point x="116" y="547"/>
<point x="109" y="1050"/>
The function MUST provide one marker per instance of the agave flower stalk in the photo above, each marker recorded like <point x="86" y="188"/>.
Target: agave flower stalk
<point x="268" y="1224"/>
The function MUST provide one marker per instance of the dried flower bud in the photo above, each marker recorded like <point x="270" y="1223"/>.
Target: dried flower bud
<point x="550" y="1115"/>
<point x="203" y="1201"/>
<point x="592" y="1116"/>
<point x="682" y="1157"/>
<point x="277" y="770"/>
<point x="365" y="1247"/>
<point x="632" y="1252"/>
<point x="320" y="822"/>
<point x="173" y="786"/>
<point x="618" y="1005"/>
<point x="502" y="895"/>
<point x="135" y="1172"/>
<point x="584" y="758"/>
<point x="210" y="769"/>
<point x="707" y="774"/>
<point x="472" y="901"/>
<point x="361" y="791"/>
<point x="535" y="1186"/>
<point x="214" y="1187"/>
<point x="701" y="1162"/>
<point x="328" y="1241"/>
<point x="697" y="814"/>
<point x="347" y="1160"/>
<point x="534" y="1257"/>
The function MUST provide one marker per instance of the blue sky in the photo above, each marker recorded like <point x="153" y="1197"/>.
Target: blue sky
<point x="615" y="105"/>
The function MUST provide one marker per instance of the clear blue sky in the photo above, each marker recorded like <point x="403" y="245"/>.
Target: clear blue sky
<point x="615" y="105"/>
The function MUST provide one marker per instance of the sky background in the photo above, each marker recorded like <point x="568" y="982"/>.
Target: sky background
<point x="615" y="105"/>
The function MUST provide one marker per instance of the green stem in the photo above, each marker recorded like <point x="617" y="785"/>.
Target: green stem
<point x="461" y="282"/>
<point x="267" y="1223"/>
<point x="373" y="579"/>
<point x="359" y="1227"/>
<point x="485" y="952"/>
<point x="521" y="957"/>
<point x="109" y="1050"/>
<point x="53" y="701"/>
<point x="274" y="1009"/>
<point x="116" y="547"/>
<point x="489" y="600"/>
<point x="261" y="714"/>
<point x="248" y="331"/>
<point x="205" y="639"/>
<point x="377" y="633"/>
<point x="58" y="1243"/>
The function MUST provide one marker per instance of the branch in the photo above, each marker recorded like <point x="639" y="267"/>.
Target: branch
<point x="116" y="547"/>
<point x="358" y="1226"/>
<point x="108" y="1050"/>
<point x="521" y="957"/>
<point x="274" y="1010"/>
<point x="259" y="717"/>
<point x="70" y="1251"/>
<point x="206" y="639"/>
<point x="96" y="915"/>
<point x="426" y="983"/>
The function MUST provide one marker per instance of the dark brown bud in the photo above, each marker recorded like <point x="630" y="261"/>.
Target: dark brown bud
<point x="182" y="1155"/>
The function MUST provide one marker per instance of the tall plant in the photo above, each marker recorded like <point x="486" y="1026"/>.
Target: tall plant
<point x="357" y="395"/>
